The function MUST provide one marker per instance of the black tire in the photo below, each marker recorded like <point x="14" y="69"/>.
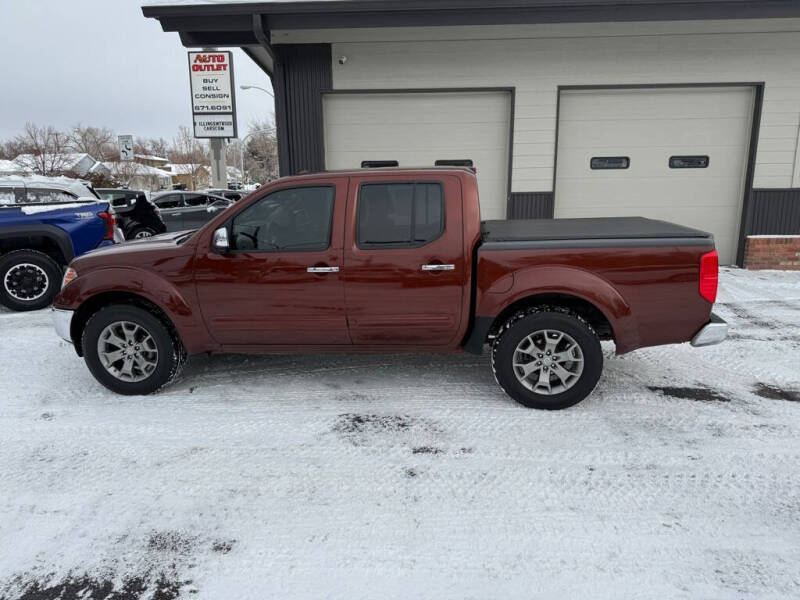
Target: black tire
<point x="139" y="232"/>
<point x="41" y="282"/>
<point x="170" y="359"/>
<point x="524" y="324"/>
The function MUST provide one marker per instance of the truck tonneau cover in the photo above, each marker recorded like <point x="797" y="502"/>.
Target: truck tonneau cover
<point x="588" y="230"/>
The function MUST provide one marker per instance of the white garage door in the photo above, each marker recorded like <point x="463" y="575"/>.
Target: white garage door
<point x="678" y="154"/>
<point x="416" y="129"/>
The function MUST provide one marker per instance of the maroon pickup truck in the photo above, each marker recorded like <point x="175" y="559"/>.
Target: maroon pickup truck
<point x="391" y="260"/>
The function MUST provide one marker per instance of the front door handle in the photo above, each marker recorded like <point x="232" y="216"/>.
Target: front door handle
<point x="323" y="269"/>
<point x="438" y="267"/>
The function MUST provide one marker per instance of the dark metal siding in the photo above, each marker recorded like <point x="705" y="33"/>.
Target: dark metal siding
<point x="531" y="205"/>
<point x="302" y="72"/>
<point x="774" y="212"/>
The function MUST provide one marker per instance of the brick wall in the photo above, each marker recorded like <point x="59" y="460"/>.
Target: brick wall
<point x="772" y="252"/>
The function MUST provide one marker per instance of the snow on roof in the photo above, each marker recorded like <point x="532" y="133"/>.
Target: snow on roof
<point x="70" y="160"/>
<point x="185" y="168"/>
<point x="9" y="167"/>
<point x="33" y="209"/>
<point x="133" y="168"/>
<point x="151" y="157"/>
<point x="76" y="186"/>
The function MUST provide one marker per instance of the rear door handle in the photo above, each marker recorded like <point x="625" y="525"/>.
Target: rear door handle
<point x="438" y="267"/>
<point x="323" y="269"/>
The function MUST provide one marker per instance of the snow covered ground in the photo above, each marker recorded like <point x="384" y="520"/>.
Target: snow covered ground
<point x="409" y="477"/>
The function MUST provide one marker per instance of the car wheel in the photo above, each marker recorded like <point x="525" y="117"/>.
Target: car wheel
<point x="547" y="358"/>
<point x="29" y="280"/>
<point x="139" y="233"/>
<point x="130" y="350"/>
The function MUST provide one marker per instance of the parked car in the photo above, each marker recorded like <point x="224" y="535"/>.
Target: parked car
<point x="392" y="261"/>
<point x="234" y="195"/>
<point x="188" y="210"/>
<point x="136" y="216"/>
<point x="44" y="224"/>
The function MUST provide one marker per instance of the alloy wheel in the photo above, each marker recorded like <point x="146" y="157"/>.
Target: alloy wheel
<point x="127" y="351"/>
<point x="548" y="362"/>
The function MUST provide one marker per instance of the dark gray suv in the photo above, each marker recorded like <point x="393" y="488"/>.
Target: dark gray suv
<point x="188" y="210"/>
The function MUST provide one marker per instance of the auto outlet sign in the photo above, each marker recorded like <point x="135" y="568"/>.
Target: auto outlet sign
<point x="213" y="98"/>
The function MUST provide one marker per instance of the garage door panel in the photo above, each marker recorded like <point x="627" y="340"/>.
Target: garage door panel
<point x="441" y="135"/>
<point x="648" y="104"/>
<point x="629" y="134"/>
<point x="649" y="126"/>
<point x="724" y="162"/>
<point x="416" y="129"/>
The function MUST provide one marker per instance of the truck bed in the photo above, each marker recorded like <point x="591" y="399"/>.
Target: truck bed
<point x="591" y="232"/>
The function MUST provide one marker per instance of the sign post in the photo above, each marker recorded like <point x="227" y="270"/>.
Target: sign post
<point x="125" y="143"/>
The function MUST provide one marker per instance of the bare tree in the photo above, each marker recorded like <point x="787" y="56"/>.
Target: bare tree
<point x="42" y="149"/>
<point x="187" y="150"/>
<point x="261" y="152"/>
<point x="151" y="146"/>
<point x="99" y="142"/>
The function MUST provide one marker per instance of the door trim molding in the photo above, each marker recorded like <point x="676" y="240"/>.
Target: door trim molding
<point x="758" y="88"/>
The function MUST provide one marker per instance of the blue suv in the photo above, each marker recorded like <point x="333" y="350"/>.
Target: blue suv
<point x="44" y="223"/>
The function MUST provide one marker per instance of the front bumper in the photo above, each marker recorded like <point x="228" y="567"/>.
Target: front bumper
<point x="714" y="332"/>
<point x="62" y="320"/>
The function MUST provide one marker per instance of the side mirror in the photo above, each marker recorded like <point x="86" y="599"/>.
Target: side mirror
<point x="220" y="243"/>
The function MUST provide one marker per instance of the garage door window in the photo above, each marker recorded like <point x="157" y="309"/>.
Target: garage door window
<point x="688" y="162"/>
<point x="399" y="215"/>
<point x="609" y="162"/>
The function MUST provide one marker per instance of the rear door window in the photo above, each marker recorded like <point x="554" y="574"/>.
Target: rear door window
<point x="195" y="199"/>
<point x="45" y="195"/>
<point x="12" y="195"/>
<point x="399" y="215"/>
<point x="168" y="201"/>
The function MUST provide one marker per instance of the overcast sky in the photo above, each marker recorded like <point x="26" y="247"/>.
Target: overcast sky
<point x="100" y="62"/>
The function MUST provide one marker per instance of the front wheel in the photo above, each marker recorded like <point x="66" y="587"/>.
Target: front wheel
<point x="547" y="359"/>
<point x="131" y="351"/>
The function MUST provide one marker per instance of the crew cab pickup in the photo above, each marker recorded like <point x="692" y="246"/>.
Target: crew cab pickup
<point x="392" y="260"/>
<point x="38" y="240"/>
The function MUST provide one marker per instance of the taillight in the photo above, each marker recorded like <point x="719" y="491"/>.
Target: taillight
<point x="109" y="221"/>
<point x="709" y="275"/>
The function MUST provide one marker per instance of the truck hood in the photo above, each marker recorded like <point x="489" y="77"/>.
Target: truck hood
<point x="140" y="252"/>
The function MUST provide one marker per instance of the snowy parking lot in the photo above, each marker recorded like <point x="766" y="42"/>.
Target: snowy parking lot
<point x="409" y="476"/>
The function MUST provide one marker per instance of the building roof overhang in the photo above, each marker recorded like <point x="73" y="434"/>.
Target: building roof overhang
<point x="248" y="24"/>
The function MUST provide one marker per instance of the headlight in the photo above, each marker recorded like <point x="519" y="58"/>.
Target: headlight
<point x="69" y="275"/>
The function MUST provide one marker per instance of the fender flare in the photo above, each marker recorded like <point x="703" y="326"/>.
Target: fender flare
<point x="570" y="281"/>
<point x="130" y="280"/>
<point x="51" y="232"/>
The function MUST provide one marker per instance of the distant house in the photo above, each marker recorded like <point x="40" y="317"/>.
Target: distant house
<point x="192" y="176"/>
<point x="139" y="176"/>
<point x="9" y="167"/>
<point x="152" y="161"/>
<point x="78" y="163"/>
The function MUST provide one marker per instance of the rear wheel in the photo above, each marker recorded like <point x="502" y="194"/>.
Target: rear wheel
<point x="131" y="351"/>
<point x="138" y="233"/>
<point x="29" y="280"/>
<point x="547" y="359"/>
